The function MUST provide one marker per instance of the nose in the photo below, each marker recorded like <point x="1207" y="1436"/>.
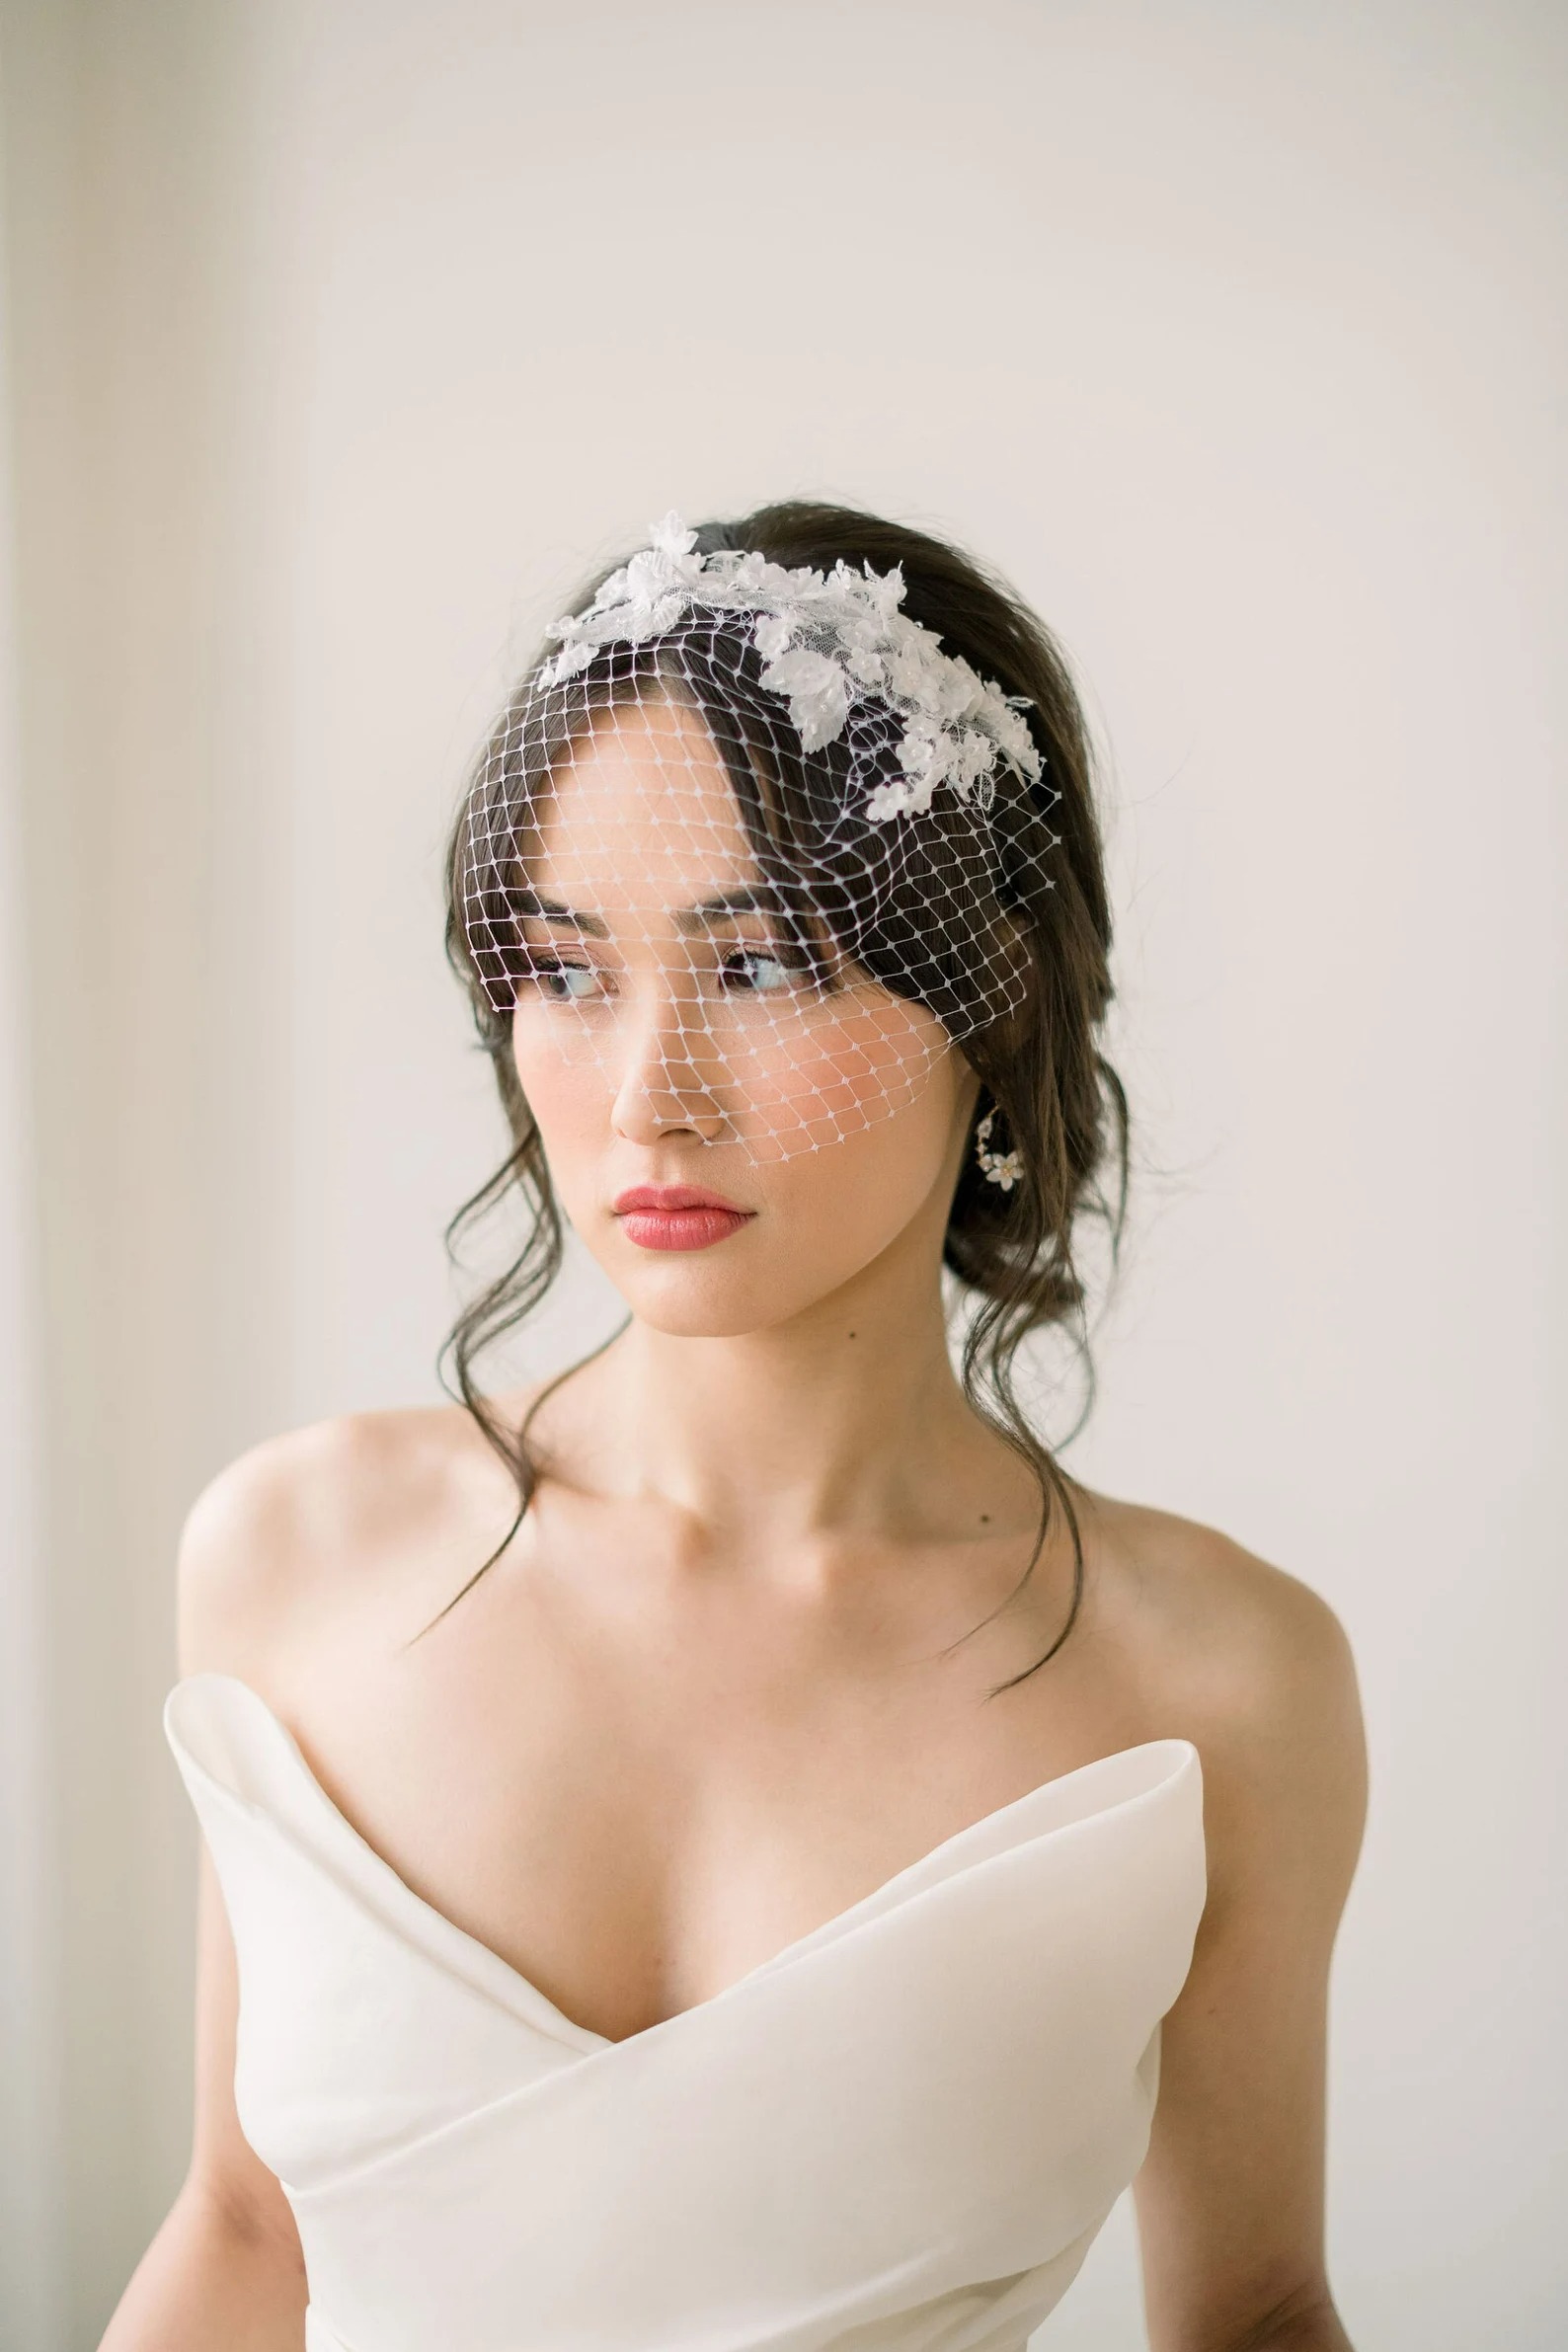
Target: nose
<point x="671" y="1078"/>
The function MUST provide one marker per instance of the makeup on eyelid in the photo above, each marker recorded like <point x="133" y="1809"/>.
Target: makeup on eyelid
<point x="740" y="967"/>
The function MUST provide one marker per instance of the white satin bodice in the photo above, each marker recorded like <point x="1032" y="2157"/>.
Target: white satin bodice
<point x="902" y="2130"/>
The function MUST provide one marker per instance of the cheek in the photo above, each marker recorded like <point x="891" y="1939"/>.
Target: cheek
<point x="842" y="1206"/>
<point x="567" y="1093"/>
<point x="820" y="1082"/>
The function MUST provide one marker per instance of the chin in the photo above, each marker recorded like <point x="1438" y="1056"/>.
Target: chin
<point x="696" y="1301"/>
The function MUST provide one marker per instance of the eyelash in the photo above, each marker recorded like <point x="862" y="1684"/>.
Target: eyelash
<point x="541" y="966"/>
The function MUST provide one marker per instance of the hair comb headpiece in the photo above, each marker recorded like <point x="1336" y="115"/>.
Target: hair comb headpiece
<point x="829" y="640"/>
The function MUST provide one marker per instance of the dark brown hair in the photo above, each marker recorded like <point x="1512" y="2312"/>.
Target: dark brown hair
<point x="906" y="916"/>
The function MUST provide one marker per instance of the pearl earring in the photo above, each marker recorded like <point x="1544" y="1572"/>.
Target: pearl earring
<point x="1005" y="1168"/>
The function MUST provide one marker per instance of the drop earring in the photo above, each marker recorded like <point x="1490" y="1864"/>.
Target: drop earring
<point x="1005" y="1168"/>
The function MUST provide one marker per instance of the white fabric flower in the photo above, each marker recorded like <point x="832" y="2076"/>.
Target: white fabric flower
<point x="772" y="634"/>
<point x="671" y="537"/>
<point x="827" y="641"/>
<point x="817" y="693"/>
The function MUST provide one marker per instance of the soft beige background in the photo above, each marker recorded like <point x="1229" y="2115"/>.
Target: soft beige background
<point x="339" y="336"/>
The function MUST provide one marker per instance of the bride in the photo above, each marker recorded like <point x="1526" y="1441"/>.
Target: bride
<point x="733" y="1848"/>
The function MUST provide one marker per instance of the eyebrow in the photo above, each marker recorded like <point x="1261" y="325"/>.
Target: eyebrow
<point x="531" y="907"/>
<point x="722" y="907"/>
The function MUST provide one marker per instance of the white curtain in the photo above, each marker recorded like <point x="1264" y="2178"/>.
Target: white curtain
<point x="119" y="1385"/>
<point x="32" y="2298"/>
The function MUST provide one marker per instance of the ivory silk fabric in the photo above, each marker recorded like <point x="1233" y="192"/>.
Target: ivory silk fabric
<point x="902" y="2130"/>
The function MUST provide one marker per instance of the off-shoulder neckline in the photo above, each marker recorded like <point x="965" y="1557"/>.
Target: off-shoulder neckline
<point x="1182" y="1755"/>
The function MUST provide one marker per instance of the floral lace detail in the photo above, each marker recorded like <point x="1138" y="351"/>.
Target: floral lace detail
<point x="829" y="640"/>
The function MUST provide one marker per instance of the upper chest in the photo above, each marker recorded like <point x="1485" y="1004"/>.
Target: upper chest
<point x="636" y="1784"/>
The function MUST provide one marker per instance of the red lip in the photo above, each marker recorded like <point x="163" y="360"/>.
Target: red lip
<point x="677" y="1216"/>
<point x="668" y="1196"/>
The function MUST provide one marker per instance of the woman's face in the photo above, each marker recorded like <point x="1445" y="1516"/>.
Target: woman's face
<point x="672" y="1039"/>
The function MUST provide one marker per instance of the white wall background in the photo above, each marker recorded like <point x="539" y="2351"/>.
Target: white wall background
<point x="344" y="336"/>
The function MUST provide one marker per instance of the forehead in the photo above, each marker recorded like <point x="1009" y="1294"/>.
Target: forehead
<point x="641" y="811"/>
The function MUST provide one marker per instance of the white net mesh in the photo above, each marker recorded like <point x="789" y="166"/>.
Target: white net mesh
<point x="673" y="896"/>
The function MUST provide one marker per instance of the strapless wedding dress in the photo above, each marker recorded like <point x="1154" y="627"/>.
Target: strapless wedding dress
<point x="902" y="2130"/>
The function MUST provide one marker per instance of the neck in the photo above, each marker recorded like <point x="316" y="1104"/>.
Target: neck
<point x="846" y="1418"/>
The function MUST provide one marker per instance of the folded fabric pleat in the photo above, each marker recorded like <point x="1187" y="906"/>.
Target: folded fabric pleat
<point x="902" y="2130"/>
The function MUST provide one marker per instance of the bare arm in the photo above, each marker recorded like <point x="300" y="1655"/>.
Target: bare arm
<point x="1230" y="2199"/>
<point x="225" y="2268"/>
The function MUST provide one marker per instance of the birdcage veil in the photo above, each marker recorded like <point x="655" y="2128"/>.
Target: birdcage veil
<point x="750" y="842"/>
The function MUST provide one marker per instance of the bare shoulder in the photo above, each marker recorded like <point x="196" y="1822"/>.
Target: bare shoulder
<point x="324" y="1519"/>
<point x="1235" y="1633"/>
<point x="1254" y="1667"/>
